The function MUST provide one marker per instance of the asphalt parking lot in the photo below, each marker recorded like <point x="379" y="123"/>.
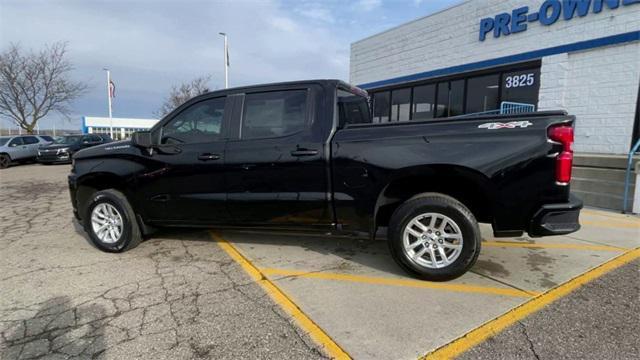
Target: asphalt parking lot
<point x="209" y="294"/>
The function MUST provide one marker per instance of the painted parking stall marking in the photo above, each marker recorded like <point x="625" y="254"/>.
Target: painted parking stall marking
<point x="313" y="330"/>
<point x="354" y="302"/>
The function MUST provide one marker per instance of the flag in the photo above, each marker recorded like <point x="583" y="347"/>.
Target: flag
<point x="112" y="89"/>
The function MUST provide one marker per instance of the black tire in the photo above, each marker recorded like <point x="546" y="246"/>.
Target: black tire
<point x="5" y="161"/>
<point x="443" y="205"/>
<point x="130" y="236"/>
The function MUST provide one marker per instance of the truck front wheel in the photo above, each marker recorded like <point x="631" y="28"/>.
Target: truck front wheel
<point x="111" y="222"/>
<point x="434" y="237"/>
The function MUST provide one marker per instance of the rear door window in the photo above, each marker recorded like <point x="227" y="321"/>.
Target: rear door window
<point x="274" y="114"/>
<point x="29" y="140"/>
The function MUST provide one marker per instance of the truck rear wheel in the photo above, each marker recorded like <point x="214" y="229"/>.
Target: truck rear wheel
<point x="434" y="237"/>
<point x="111" y="222"/>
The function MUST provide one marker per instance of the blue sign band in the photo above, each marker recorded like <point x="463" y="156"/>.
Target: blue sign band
<point x="530" y="55"/>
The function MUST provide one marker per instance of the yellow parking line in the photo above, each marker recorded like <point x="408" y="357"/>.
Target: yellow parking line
<point x="612" y="223"/>
<point x="401" y="282"/>
<point x="551" y="246"/>
<point x="612" y="215"/>
<point x="315" y="332"/>
<point x="498" y="324"/>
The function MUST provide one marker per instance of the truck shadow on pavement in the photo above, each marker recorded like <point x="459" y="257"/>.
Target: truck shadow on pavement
<point x="313" y="252"/>
<point x="53" y="327"/>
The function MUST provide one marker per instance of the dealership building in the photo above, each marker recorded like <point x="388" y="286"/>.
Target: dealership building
<point x="122" y="127"/>
<point x="490" y="56"/>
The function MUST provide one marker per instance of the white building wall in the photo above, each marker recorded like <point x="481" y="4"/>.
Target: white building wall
<point x="599" y="87"/>
<point x="450" y="38"/>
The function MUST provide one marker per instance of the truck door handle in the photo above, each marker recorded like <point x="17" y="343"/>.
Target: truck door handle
<point x="304" y="152"/>
<point x="208" y="156"/>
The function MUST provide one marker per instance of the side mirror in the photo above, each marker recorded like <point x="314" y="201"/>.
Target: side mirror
<point x="142" y="139"/>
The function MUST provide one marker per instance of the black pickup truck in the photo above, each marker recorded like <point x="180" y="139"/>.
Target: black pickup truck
<point x="306" y="156"/>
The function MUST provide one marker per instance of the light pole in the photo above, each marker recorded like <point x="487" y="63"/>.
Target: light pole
<point x="109" y="101"/>
<point x="226" y="61"/>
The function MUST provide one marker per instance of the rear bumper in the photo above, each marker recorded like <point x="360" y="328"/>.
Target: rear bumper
<point x="556" y="219"/>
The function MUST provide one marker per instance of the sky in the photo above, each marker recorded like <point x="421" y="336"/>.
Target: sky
<point x="150" y="45"/>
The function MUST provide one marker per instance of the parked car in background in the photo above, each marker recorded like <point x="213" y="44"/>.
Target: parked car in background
<point x="48" y="139"/>
<point x="61" y="150"/>
<point x="19" y="148"/>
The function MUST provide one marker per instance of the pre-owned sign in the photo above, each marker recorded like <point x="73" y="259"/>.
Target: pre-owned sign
<point x="549" y="12"/>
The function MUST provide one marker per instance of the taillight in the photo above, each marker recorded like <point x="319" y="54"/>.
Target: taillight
<point x="564" y="161"/>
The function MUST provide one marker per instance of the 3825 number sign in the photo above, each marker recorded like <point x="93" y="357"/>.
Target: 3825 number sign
<point x="519" y="80"/>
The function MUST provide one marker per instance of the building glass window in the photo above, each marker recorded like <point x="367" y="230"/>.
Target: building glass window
<point x="400" y="104"/>
<point x="469" y="95"/>
<point x="456" y="98"/>
<point x="483" y="93"/>
<point x="442" y="105"/>
<point x="424" y="102"/>
<point x="450" y="98"/>
<point x="381" y="107"/>
<point x="521" y="86"/>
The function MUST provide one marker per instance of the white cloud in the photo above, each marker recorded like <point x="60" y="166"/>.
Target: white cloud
<point x="152" y="44"/>
<point x="368" y="5"/>
<point x="318" y="13"/>
<point x="282" y="23"/>
<point x="149" y="47"/>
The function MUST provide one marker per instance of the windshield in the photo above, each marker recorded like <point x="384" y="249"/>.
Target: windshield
<point x="3" y="140"/>
<point x="67" y="140"/>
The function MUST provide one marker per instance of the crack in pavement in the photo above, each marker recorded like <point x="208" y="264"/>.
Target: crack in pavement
<point x="177" y="295"/>
<point x="526" y="336"/>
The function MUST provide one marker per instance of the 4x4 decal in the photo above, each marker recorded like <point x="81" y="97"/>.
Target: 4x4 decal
<point x="509" y="125"/>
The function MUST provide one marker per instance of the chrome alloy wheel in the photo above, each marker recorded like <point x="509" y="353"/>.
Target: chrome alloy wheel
<point x="432" y="240"/>
<point x="106" y="223"/>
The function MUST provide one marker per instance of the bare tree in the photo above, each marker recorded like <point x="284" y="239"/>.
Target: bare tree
<point x="182" y="93"/>
<point x="33" y="84"/>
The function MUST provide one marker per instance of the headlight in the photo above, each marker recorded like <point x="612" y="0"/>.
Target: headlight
<point x="62" y="150"/>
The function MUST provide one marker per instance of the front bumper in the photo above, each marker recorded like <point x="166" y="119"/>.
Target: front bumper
<point x="73" y="190"/>
<point x="556" y="219"/>
<point x="53" y="157"/>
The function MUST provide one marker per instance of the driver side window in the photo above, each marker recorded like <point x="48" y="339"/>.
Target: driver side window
<point x="200" y="122"/>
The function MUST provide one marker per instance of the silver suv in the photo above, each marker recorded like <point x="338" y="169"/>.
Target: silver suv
<point x="20" y="148"/>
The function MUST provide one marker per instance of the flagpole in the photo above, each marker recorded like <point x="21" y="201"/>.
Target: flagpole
<point x="109" y="101"/>
<point x="226" y="61"/>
